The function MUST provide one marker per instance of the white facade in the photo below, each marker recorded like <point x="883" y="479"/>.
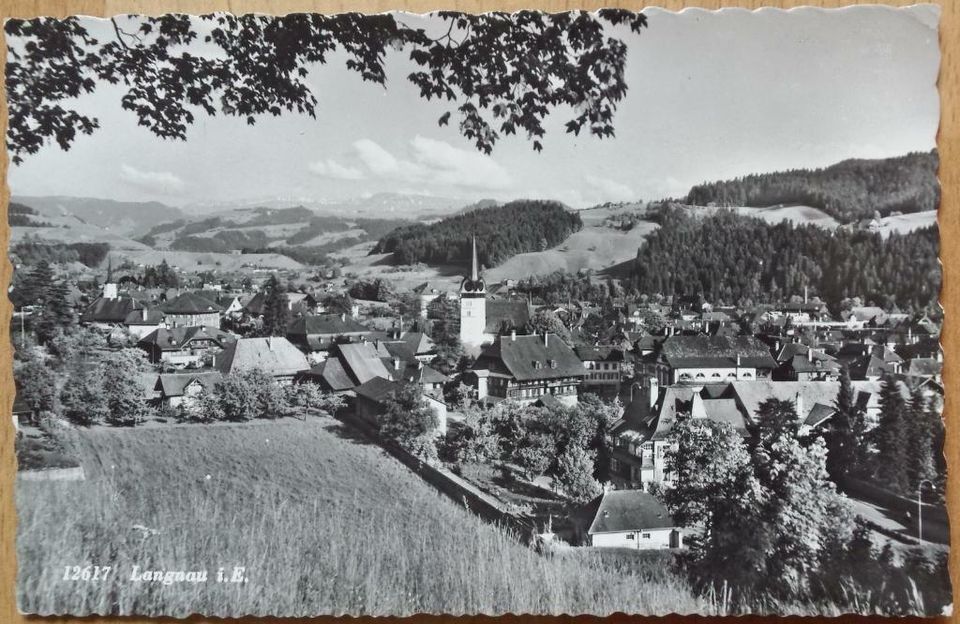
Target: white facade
<point x="640" y="539"/>
<point x="473" y="320"/>
<point x="712" y="375"/>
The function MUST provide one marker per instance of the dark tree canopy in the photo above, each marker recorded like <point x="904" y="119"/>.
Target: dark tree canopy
<point x="847" y="191"/>
<point x="501" y="73"/>
<point x="502" y="232"/>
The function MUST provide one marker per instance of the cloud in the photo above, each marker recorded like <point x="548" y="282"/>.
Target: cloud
<point x="610" y="190"/>
<point x="434" y="162"/>
<point x="459" y="167"/>
<point x="332" y="169"/>
<point x="163" y="182"/>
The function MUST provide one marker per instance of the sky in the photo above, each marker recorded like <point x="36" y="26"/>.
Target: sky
<point x="712" y="95"/>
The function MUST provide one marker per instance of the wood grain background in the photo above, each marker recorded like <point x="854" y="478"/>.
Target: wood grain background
<point x="948" y="141"/>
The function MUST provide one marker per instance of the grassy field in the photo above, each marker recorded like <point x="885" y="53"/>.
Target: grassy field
<point x="322" y="522"/>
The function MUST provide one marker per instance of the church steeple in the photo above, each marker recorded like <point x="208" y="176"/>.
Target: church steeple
<point x="473" y="304"/>
<point x="473" y="284"/>
<point x="474" y="271"/>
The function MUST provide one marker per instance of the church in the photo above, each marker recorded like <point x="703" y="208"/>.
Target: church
<point x="483" y="319"/>
<point x="525" y="368"/>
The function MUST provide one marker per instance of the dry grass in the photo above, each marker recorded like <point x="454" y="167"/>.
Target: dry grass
<point x="323" y="524"/>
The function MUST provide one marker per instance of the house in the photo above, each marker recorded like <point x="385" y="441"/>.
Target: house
<point x="630" y="519"/>
<point x="799" y="362"/>
<point x="372" y="397"/>
<point x="184" y="389"/>
<point x="604" y="366"/>
<point x="410" y="346"/>
<point x="709" y="359"/>
<point x="353" y="364"/>
<point x="184" y="346"/>
<point x="108" y="313"/>
<point x="866" y="360"/>
<point x="428" y="292"/>
<point x="315" y="334"/>
<point x="273" y="355"/>
<point x="143" y="321"/>
<point x="526" y="368"/>
<point x="191" y="310"/>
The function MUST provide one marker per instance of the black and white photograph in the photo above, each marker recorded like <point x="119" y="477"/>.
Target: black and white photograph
<point x="447" y="313"/>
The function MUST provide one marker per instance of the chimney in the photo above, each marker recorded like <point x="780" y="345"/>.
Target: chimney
<point x="804" y="294"/>
<point x="653" y="392"/>
<point x="738" y="360"/>
<point x="213" y="361"/>
<point x="143" y="314"/>
<point x="343" y="316"/>
<point x="546" y="339"/>
<point x="798" y="402"/>
<point x="396" y="363"/>
<point x="940" y="355"/>
<point x="809" y="354"/>
<point x="513" y="335"/>
<point x="270" y="342"/>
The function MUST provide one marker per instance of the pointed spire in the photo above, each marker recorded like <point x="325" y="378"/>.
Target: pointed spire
<point x="474" y="272"/>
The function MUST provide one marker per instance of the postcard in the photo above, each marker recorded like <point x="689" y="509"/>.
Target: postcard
<point x="447" y="313"/>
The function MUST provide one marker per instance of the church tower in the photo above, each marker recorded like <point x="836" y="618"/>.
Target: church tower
<point x="473" y="305"/>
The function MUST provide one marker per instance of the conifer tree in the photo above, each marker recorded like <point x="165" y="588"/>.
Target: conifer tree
<point x="842" y="440"/>
<point x="57" y="313"/>
<point x="890" y="462"/>
<point x="276" y="309"/>
<point x="920" y="441"/>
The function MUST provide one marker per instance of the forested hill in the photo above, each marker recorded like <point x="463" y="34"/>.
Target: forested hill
<point x="734" y="259"/>
<point x="847" y="191"/>
<point x="502" y="232"/>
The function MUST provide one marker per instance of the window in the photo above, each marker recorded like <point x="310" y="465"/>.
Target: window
<point x="629" y="536"/>
<point x="646" y="536"/>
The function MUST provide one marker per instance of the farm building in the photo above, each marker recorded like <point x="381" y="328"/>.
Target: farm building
<point x="274" y="356"/>
<point x="372" y="397"/>
<point x="526" y="368"/>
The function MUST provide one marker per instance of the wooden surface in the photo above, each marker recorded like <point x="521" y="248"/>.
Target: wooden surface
<point x="948" y="142"/>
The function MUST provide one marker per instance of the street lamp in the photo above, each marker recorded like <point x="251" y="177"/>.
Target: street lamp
<point x="920" y="508"/>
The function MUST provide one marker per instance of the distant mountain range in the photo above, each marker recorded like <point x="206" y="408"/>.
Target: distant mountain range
<point x="377" y="205"/>
<point x="120" y="218"/>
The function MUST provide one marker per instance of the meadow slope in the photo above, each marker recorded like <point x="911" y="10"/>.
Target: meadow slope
<point x="324" y="524"/>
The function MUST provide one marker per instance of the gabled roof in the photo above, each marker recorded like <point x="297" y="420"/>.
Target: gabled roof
<point x="531" y="357"/>
<point x="750" y="394"/>
<point x="599" y="353"/>
<point x="326" y="324"/>
<point x="627" y="510"/>
<point x="191" y="303"/>
<point x="275" y="356"/>
<point x="176" y="338"/>
<point x="509" y="314"/>
<point x="331" y="373"/>
<point x="173" y="384"/>
<point x="716" y="351"/>
<point x="377" y="389"/>
<point x="154" y="316"/>
<point x="725" y="411"/>
<point x="362" y="361"/>
<point x="109" y="310"/>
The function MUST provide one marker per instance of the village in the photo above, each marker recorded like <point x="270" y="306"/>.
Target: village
<point x="557" y="418"/>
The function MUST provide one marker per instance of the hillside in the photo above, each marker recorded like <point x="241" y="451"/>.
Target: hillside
<point x="716" y="257"/>
<point x="501" y="232"/>
<point x="123" y="219"/>
<point x="847" y="191"/>
<point x="324" y="522"/>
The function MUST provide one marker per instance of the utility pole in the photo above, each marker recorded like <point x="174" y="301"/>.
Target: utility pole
<point x="920" y="509"/>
